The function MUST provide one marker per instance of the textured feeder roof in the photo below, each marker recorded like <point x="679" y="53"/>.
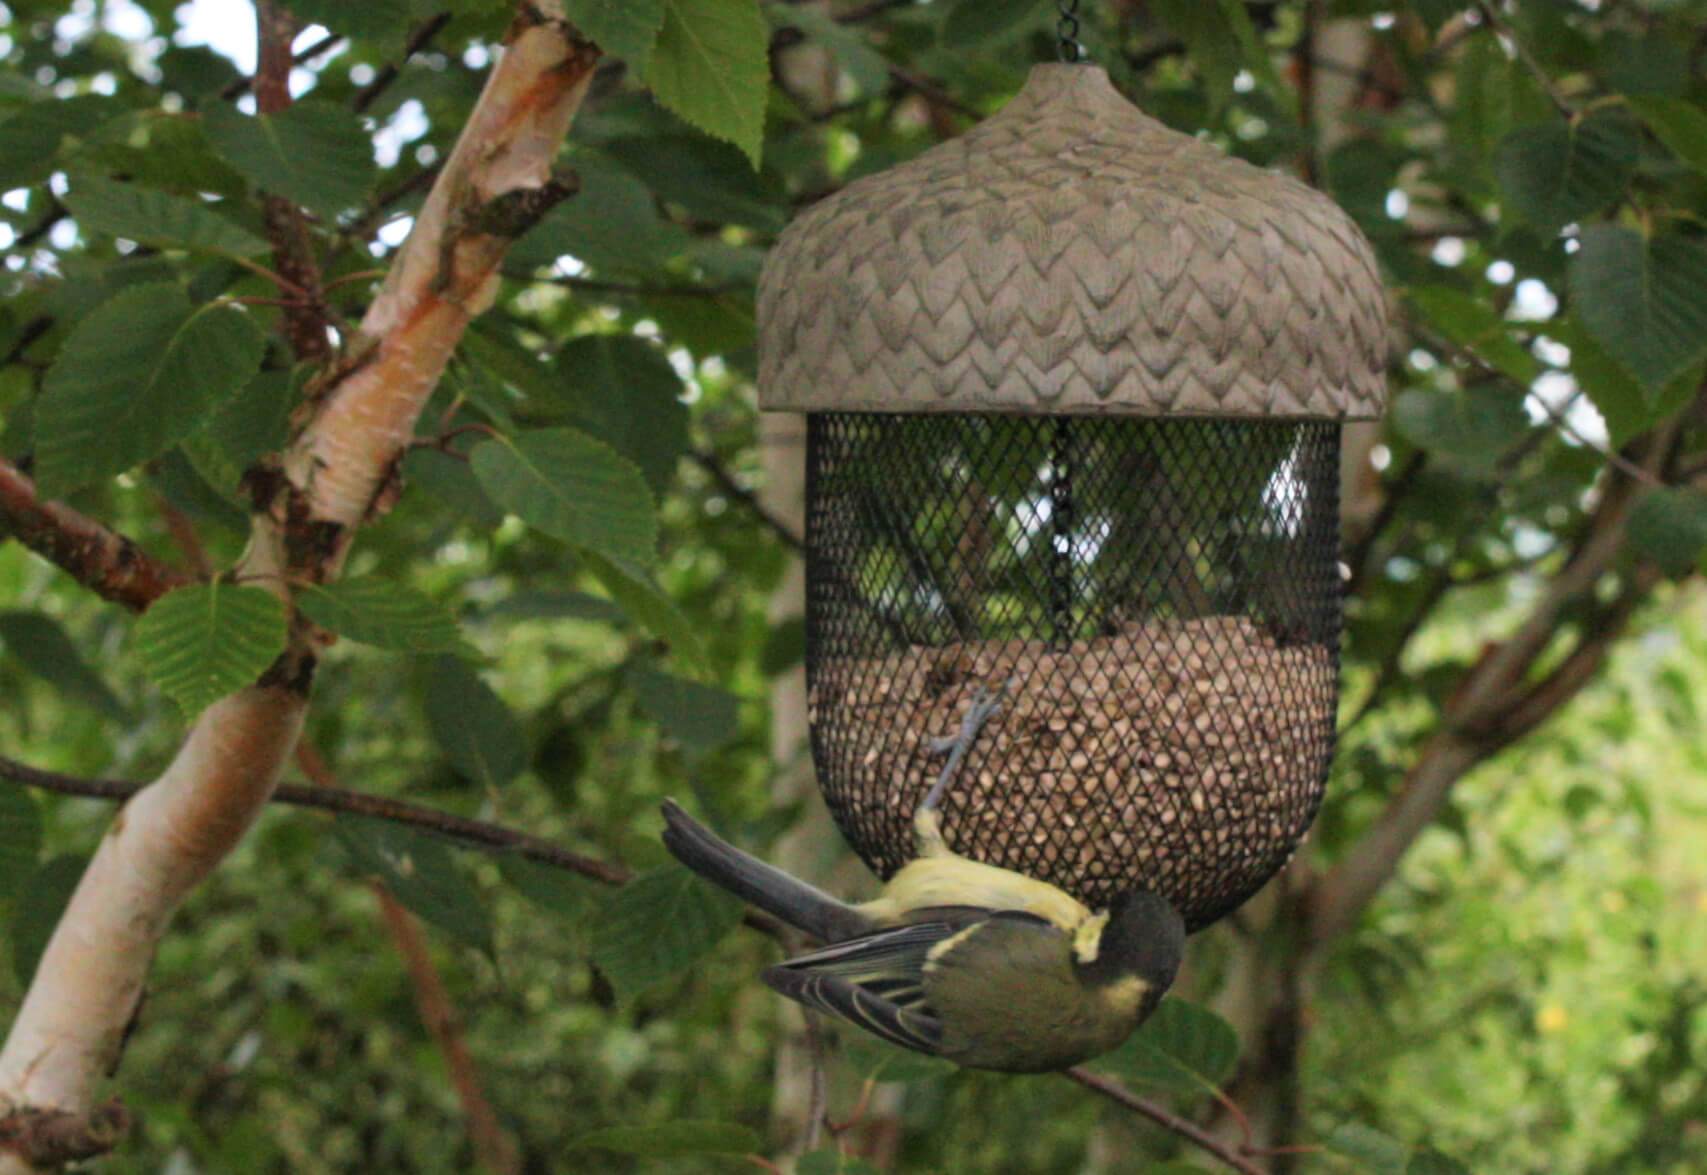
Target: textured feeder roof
<point x="1072" y="254"/>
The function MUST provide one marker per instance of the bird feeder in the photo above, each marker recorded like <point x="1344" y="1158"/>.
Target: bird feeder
<point x="1074" y="385"/>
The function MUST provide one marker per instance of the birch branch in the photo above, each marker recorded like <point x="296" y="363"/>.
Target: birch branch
<point x="69" y="1032"/>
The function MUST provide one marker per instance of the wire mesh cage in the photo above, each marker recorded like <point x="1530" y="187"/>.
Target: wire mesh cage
<point x="1160" y="597"/>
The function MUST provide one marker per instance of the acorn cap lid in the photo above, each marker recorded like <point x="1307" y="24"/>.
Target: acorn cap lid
<point x="1071" y="254"/>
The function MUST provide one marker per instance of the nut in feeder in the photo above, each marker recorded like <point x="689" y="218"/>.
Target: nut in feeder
<point x="1074" y="384"/>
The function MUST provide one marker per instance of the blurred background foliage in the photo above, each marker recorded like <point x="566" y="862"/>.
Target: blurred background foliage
<point x="1527" y="994"/>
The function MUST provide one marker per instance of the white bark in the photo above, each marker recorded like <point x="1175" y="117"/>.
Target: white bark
<point x="69" y="1032"/>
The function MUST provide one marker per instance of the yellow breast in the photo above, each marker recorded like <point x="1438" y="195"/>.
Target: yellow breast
<point x="956" y="881"/>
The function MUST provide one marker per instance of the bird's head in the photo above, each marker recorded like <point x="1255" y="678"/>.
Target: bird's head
<point x="1143" y="936"/>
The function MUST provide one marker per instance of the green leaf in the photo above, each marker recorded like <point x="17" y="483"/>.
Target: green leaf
<point x="313" y="153"/>
<point x="668" y="1140"/>
<point x="710" y="65"/>
<point x="1429" y="1161"/>
<point x="1475" y="426"/>
<point x="203" y="642"/>
<point x="254" y="422"/>
<point x="1644" y="300"/>
<point x="40" y="902"/>
<point x="1372" y="1150"/>
<point x="137" y="375"/>
<point x="1183" y="1048"/>
<point x="156" y="218"/>
<point x="40" y="645"/>
<point x="629" y="396"/>
<point x="1680" y="125"/>
<point x="659" y="925"/>
<point x="1474" y="325"/>
<point x="422" y="874"/>
<point x="700" y="717"/>
<point x="622" y="28"/>
<point x="472" y="726"/>
<point x="566" y="484"/>
<point x="1669" y="526"/>
<point x="974" y="22"/>
<point x="709" y="179"/>
<point x="20" y="838"/>
<point x="30" y="140"/>
<point x="1559" y="171"/>
<point x="1656" y="63"/>
<point x="635" y="593"/>
<point x="556" y="604"/>
<point x="384" y="614"/>
<point x="453" y="483"/>
<point x="1626" y="406"/>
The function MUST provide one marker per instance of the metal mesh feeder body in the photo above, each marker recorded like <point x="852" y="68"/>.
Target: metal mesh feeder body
<point x="1074" y="384"/>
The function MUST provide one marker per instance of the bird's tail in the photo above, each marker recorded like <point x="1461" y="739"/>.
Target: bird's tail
<point x="750" y="879"/>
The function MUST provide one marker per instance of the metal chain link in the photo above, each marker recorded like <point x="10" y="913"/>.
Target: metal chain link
<point x="1067" y="30"/>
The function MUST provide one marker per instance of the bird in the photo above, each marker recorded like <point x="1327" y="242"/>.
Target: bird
<point x="978" y="965"/>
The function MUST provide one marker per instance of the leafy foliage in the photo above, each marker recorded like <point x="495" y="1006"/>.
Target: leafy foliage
<point x="657" y="926"/>
<point x="200" y="643"/>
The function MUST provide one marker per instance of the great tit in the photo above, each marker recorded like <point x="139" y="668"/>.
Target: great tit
<point x="979" y="965"/>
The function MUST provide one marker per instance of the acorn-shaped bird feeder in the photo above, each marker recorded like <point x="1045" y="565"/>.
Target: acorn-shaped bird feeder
<point x="1074" y="384"/>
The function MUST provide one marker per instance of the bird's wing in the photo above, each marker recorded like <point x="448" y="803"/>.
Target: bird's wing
<point x="875" y="981"/>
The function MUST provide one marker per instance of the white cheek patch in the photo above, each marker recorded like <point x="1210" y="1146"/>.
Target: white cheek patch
<point x="1087" y="938"/>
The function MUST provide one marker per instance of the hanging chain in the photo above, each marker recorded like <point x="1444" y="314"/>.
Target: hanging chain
<point x="1067" y="31"/>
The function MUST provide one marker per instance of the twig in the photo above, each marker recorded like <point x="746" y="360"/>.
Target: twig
<point x="748" y="499"/>
<point x="353" y="803"/>
<point x="1109" y="1088"/>
<point x="102" y="560"/>
<point x="241" y="86"/>
<point x="419" y="39"/>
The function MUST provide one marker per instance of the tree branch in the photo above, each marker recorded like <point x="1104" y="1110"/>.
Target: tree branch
<point x="102" y="560"/>
<point x="727" y="482"/>
<point x="419" y="38"/>
<point x="1109" y="1088"/>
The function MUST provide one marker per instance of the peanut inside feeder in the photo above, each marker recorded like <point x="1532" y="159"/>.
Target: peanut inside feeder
<point x="1074" y="384"/>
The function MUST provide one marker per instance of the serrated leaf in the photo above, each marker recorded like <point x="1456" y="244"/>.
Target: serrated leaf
<point x="1182" y="1047"/>
<point x="1372" y="1150"/>
<point x="1559" y="171"/>
<point x="1679" y="124"/>
<point x="422" y="874"/>
<point x="1220" y="41"/>
<point x="572" y="487"/>
<point x="134" y="377"/>
<point x="203" y="642"/>
<point x="254" y="422"/>
<point x="20" y="838"/>
<point x="313" y="153"/>
<point x="659" y="925"/>
<point x="1628" y="408"/>
<point x="472" y="726"/>
<point x="1475" y="426"/>
<point x="383" y="614"/>
<point x="556" y="604"/>
<point x="1644" y="300"/>
<point x="700" y="717"/>
<point x="635" y="593"/>
<point x="622" y="28"/>
<point x="629" y="396"/>
<point x="40" y="645"/>
<point x="1429" y="1161"/>
<point x="1474" y="325"/>
<point x="40" y="902"/>
<point x="974" y="22"/>
<point x="1669" y="526"/>
<point x="672" y="1139"/>
<point x="156" y="218"/>
<point x="710" y="65"/>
